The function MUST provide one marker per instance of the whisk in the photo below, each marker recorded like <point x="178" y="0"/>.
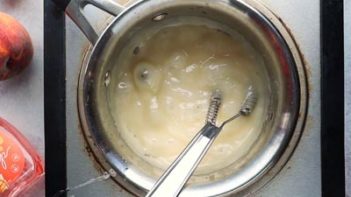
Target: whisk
<point x="173" y="180"/>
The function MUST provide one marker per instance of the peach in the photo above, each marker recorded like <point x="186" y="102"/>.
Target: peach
<point x="16" y="49"/>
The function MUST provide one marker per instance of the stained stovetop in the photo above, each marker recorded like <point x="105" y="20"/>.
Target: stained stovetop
<point x="302" y="174"/>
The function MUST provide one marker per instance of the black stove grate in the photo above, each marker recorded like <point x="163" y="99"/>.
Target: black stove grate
<point x="332" y="87"/>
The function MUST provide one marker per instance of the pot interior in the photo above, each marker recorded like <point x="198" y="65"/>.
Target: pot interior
<point x="275" y="78"/>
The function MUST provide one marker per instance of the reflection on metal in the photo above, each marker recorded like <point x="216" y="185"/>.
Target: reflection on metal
<point x="286" y="118"/>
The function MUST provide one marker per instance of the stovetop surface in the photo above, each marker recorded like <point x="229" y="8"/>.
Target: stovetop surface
<point x="302" y="174"/>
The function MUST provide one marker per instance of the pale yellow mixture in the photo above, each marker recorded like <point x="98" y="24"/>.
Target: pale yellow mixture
<point x="161" y="93"/>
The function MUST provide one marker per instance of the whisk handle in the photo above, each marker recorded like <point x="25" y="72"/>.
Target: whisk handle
<point x="176" y="176"/>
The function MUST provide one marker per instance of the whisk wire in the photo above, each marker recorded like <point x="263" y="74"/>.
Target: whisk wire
<point x="215" y="102"/>
<point x="246" y="108"/>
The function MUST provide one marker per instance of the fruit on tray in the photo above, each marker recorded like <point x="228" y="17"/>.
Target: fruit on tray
<point x="20" y="165"/>
<point x="16" y="49"/>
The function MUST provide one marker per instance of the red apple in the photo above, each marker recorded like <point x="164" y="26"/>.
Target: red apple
<point x="16" y="49"/>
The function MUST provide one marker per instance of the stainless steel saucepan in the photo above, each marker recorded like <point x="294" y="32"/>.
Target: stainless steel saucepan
<point x="286" y="111"/>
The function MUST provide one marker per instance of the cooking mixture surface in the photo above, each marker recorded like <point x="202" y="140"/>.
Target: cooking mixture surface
<point x="160" y="93"/>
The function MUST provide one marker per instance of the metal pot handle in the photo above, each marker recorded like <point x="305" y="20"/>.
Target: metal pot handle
<point x="75" y="11"/>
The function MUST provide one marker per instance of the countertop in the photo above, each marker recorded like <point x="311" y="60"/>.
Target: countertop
<point x="22" y="97"/>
